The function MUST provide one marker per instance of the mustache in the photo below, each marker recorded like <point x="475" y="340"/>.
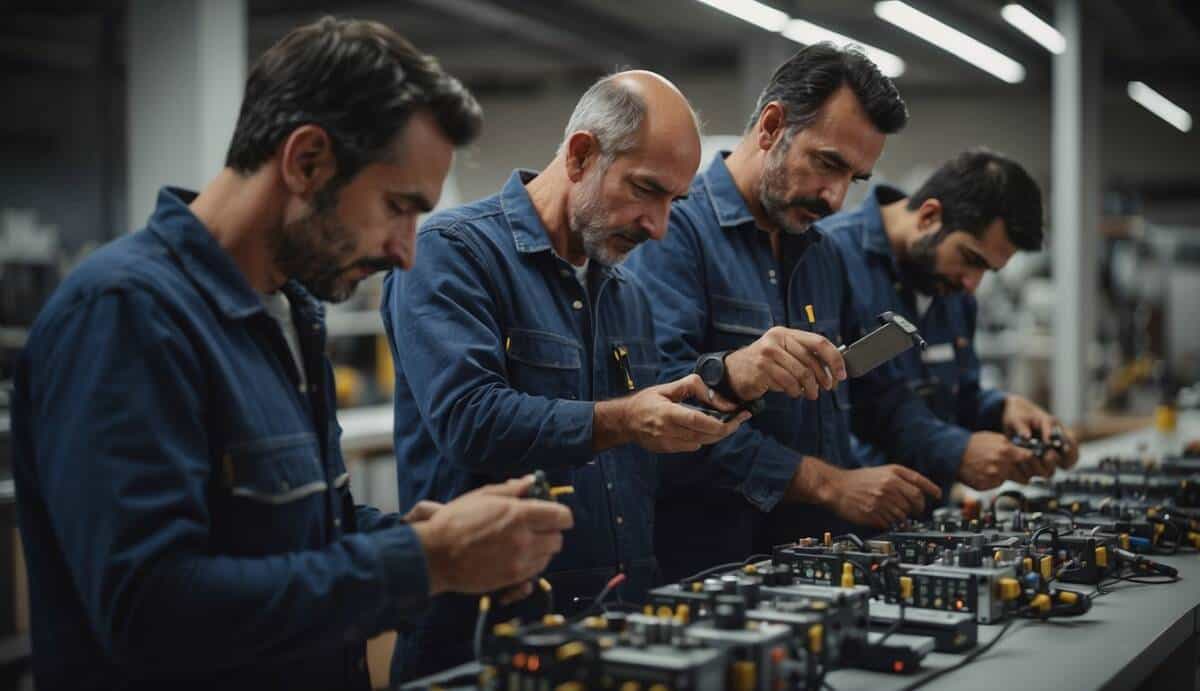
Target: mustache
<point x="374" y="264"/>
<point x="635" y="236"/>
<point x="814" y="205"/>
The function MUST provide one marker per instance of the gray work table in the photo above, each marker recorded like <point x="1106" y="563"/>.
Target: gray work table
<point x="1135" y="636"/>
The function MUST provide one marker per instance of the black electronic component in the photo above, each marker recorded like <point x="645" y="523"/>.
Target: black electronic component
<point x="952" y="632"/>
<point x="925" y="547"/>
<point x="894" y="336"/>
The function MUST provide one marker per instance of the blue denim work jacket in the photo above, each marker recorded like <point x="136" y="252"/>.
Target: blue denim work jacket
<point x="946" y="374"/>
<point x="500" y="352"/>
<point x="715" y="285"/>
<point x="184" y="505"/>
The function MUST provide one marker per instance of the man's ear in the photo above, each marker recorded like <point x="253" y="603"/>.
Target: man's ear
<point x="582" y="150"/>
<point x="770" y="125"/>
<point x="929" y="216"/>
<point x="306" y="160"/>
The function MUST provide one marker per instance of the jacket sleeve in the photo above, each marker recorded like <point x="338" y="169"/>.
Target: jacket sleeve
<point x="672" y="271"/>
<point x="447" y="340"/>
<point x="126" y="492"/>
<point x="978" y="408"/>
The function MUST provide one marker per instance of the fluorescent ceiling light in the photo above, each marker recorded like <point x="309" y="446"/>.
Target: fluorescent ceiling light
<point x="1158" y="104"/>
<point x="808" y="33"/>
<point x="1032" y="26"/>
<point x="753" y="12"/>
<point x="950" y="40"/>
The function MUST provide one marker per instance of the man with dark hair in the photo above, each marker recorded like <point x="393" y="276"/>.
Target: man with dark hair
<point x="923" y="257"/>
<point x="521" y="343"/>
<point x="184" y="505"/>
<point x="755" y="302"/>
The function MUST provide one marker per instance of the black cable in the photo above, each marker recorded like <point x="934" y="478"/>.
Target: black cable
<point x="723" y="567"/>
<point x="967" y="659"/>
<point x="858" y="541"/>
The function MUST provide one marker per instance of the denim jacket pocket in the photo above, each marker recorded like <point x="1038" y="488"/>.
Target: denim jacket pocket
<point x="543" y="363"/>
<point x="275" y="490"/>
<point x="738" y="322"/>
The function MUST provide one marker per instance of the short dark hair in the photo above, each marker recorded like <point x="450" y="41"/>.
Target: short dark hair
<point x="358" y="80"/>
<point x="978" y="186"/>
<point x="806" y="81"/>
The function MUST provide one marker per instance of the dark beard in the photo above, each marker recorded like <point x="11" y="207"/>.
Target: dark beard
<point x="920" y="269"/>
<point x="774" y="187"/>
<point x="314" y="251"/>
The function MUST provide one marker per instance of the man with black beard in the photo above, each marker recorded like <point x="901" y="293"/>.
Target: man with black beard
<point x="746" y="294"/>
<point x="520" y="343"/>
<point x="184" y="507"/>
<point x="923" y="257"/>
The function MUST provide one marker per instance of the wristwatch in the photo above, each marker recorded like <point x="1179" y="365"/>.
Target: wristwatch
<point x="711" y="368"/>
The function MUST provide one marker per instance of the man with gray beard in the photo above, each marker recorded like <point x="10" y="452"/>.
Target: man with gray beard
<point x="521" y="344"/>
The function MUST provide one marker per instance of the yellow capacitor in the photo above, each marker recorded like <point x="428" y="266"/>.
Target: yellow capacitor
<point x="1124" y="541"/>
<point x="750" y="569"/>
<point x="554" y="620"/>
<point x="1194" y="539"/>
<point x="996" y="555"/>
<point x="505" y="629"/>
<point x="1158" y="531"/>
<point x="1028" y="563"/>
<point x="664" y="612"/>
<point x="906" y="587"/>
<point x="743" y="676"/>
<point x="828" y="539"/>
<point x="1047" y="567"/>
<point x="566" y="651"/>
<point x="631" y="686"/>
<point x="1068" y="597"/>
<point x="1101" y="556"/>
<point x="1151" y="513"/>
<point x="683" y="613"/>
<point x="1009" y="589"/>
<point x="597" y="623"/>
<point x="1040" y="603"/>
<point x="816" y="638"/>
<point x="659" y="687"/>
<point x="847" y="575"/>
<point x="648" y="610"/>
<point x="571" y="686"/>
<point x="697" y="586"/>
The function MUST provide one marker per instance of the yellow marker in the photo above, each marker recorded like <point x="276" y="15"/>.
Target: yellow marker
<point x="1068" y="597"/>
<point x="1047" y="567"/>
<point x="816" y="638"/>
<point x="507" y="343"/>
<point x="812" y="316"/>
<point x="906" y="587"/>
<point x="556" y="492"/>
<point x="1102" y="556"/>
<point x="847" y="575"/>
<point x="1009" y="589"/>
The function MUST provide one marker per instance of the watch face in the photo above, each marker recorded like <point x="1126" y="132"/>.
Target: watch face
<point x="711" y="370"/>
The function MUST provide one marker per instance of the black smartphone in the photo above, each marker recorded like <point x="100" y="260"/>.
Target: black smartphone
<point x="893" y="336"/>
<point x="755" y="407"/>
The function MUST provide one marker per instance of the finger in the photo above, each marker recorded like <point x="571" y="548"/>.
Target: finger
<point x="423" y="511"/>
<point x="544" y="516"/>
<point x="907" y="498"/>
<point x="827" y="353"/>
<point x="721" y="403"/>
<point x="780" y="378"/>
<point x="516" y="593"/>
<point x="515" y="487"/>
<point x="690" y="386"/>
<point x="1020" y="427"/>
<point x="1045" y="424"/>
<point x="803" y="367"/>
<point x="815" y="373"/>
<point x="686" y="423"/>
<point x="922" y="483"/>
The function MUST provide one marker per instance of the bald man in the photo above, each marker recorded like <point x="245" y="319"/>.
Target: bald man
<point x="521" y="344"/>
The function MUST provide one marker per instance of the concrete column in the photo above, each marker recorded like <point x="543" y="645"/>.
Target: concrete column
<point x="187" y="68"/>
<point x="1075" y="206"/>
